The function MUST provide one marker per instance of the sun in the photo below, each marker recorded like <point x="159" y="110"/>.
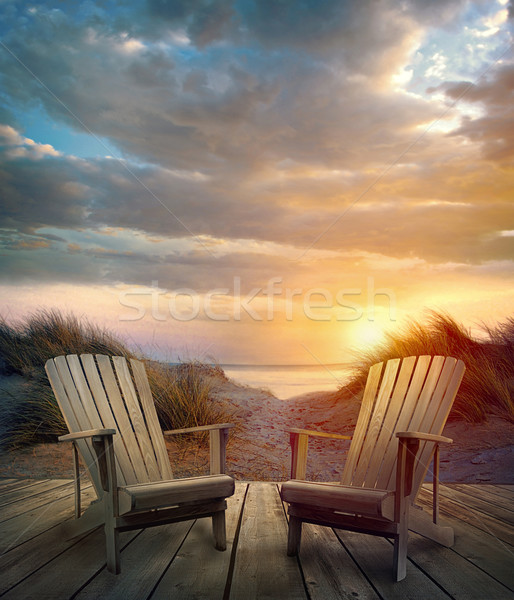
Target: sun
<point x="369" y="334"/>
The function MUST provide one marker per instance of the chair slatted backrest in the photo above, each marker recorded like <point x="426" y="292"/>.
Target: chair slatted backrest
<point x="410" y="394"/>
<point x="102" y="392"/>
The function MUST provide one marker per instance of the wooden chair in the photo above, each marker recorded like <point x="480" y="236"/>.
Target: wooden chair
<point x="110" y="413"/>
<point x="404" y="409"/>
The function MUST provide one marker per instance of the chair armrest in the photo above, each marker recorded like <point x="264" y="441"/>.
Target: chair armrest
<point x="427" y="437"/>
<point x="102" y="445"/>
<point x="199" y="428"/>
<point x="101" y="440"/>
<point x="79" y="435"/>
<point x="408" y="447"/>
<point x="299" y="439"/>
<point x="332" y="436"/>
<point x="218" y="443"/>
<point x="411" y="439"/>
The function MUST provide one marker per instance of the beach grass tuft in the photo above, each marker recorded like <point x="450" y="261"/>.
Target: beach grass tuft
<point x="488" y="384"/>
<point x="182" y="394"/>
<point x="29" y="413"/>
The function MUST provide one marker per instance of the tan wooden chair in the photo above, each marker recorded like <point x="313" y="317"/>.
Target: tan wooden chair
<point x="404" y="409"/>
<point x="113" y="425"/>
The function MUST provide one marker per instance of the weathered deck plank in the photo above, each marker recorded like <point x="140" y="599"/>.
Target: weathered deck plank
<point x="6" y="485"/>
<point x="8" y="481"/>
<point x="24" y="560"/>
<point x="467" y="514"/>
<point x="143" y="564"/>
<point x="329" y="570"/>
<point x="179" y="561"/>
<point x="459" y="577"/>
<point x="375" y="556"/>
<point x="486" y="494"/>
<point x="68" y="571"/>
<point x="26" y="525"/>
<point x="500" y="491"/>
<point x="506" y="486"/>
<point x="59" y="489"/>
<point x="262" y="568"/>
<point x="471" y="500"/>
<point x="483" y="550"/>
<point x="200" y="571"/>
<point x="19" y="494"/>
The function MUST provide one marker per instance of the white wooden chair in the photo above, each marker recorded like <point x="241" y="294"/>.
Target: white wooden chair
<point x="110" y="413"/>
<point x="404" y="409"/>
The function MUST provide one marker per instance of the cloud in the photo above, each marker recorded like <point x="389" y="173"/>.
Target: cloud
<point x="9" y="136"/>
<point x="494" y="131"/>
<point x="258" y="124"/>
<point x="205" y="21"/>
<point x="234" y="108"/>
<point x="19" y="146"/>
<point x="410" y="214"/>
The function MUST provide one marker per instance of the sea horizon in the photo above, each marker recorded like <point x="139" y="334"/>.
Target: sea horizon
<point x="286" y="381"/>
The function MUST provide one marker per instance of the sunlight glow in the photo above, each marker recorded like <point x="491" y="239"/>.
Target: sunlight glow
<point x="368" y="334"/>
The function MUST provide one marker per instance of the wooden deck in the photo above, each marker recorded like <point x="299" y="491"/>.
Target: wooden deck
<point x="179" y="561"/>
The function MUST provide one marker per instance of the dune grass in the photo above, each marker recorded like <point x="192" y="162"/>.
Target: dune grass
<point x="182" y="400"/>
<point x="27" y="345"/>
<point x="488" y="384"/>
<point x="28" y="410"/>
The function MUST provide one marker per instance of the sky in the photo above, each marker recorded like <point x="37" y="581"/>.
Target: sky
<point x="257" y="181"/>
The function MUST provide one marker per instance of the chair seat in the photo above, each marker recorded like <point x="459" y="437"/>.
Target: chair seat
<point x="174" y="492"/>
<point x="340" y="498"/>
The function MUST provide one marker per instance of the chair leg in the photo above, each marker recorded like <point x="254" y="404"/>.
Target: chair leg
<point x="400" y="552"/>
<point x="294" y="536"/>
<point x="219" y="530"/>
<point x="112" y="548"/>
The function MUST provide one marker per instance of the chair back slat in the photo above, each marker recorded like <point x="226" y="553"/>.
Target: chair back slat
<point x="73" y="413"/>
<point x="435" y="418"/>
<point x="122" y="417"/>
<point x="87" y="400"/>
<point x="136" y="417"/>
<point x="388" y="468"/>
<point x="95" y="392"/>
<point x="420" y="407"/>
<point x="427" y="393"/>
<point x="128" y="475"/>
<point x="368" y="400"/>
<point x="83" y="391"/>
<point x="376" y="422"/>
<point x="412" y="394"/>
<point x="152" y="421"/>
<point x="119" y="410"/>
<point x="387" y="437"/>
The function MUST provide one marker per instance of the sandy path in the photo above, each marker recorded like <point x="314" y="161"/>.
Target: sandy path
<point x="480" y="452"/>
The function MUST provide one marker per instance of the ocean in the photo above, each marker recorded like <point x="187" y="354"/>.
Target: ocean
<point x="286" y="381"/>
